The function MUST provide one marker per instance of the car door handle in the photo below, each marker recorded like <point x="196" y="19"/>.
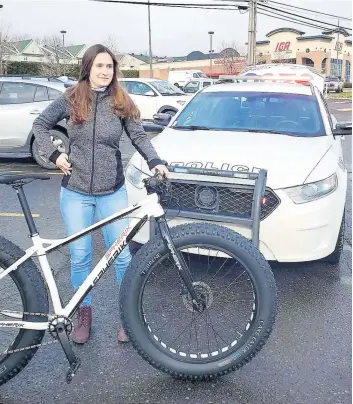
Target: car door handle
<point x="35" y="112"/>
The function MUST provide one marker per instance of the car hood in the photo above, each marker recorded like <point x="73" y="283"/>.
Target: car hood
<point x="172" y="99"/>
<point x="288" y="160"/>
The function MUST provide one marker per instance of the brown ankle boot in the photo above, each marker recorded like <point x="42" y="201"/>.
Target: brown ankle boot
<point x="122" y="337"/>
<point x="82" y="328"/>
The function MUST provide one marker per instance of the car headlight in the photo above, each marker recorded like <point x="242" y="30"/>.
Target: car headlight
<point x="135" y="176"/>
<point x="181" y="102"/>
<point x="314" y="190"/>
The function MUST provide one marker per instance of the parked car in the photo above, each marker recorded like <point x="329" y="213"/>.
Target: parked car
<point x="284" y="128"/>
<point x="333" y="84"/>
<point x="21" y="101"/>
<point x="181" y="77"/>
<point x="196" y="85"/>
<point x="152" y="96"/>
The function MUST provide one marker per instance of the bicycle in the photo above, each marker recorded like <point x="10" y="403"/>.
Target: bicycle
<point x="174" y="263"/>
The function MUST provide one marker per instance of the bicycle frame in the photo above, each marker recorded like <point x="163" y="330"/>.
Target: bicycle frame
<point x="147" y="208"/>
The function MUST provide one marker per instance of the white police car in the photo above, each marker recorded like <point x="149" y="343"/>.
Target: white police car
<point x="285" y="128"/>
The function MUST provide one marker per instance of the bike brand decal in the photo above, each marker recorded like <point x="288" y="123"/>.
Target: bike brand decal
<point x="12" y="325"/>
<point x="211" y="165"/>
<point x="113" y="252"/>
<point x="254" y="338"/>
<point x="176" y="260"/>
<point x="150" y="263"/>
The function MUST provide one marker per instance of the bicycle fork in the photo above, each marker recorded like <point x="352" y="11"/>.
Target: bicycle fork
<point x="183" y="270"/>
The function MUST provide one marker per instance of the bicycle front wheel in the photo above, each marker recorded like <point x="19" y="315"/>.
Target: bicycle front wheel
<point x="236" y="285"/>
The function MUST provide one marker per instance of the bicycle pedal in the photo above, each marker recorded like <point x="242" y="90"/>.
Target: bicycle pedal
<point x="74" y="367"/>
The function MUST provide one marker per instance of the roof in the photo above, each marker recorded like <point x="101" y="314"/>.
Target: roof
<point x="21" y="45"/>
<point x="75" y="49"/>
<point x="278" y="30"/>
<point x="335" y="31"/>
<point x="51" y="84"/>
<point x="143" y="58"/>
<point x="303" y="38"/>
<point x="284" y="88"/>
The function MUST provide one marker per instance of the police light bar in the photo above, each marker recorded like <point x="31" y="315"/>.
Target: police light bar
<point x="304" y="80"/>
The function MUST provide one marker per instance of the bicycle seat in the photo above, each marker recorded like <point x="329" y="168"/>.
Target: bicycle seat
<point x="13" y="178"/>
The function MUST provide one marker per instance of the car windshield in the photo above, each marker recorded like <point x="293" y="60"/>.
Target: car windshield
<point x="288" y="114"/>
<point x="166" y="88"/>
<point x="192" y="87"/>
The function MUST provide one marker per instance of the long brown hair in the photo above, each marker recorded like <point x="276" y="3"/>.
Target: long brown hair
<point x="80" y="95"/>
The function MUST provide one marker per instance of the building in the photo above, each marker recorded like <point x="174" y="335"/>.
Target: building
<point x="330" y="52"/>
<point x="228" y="61"/>
<point x="30" y="51"/>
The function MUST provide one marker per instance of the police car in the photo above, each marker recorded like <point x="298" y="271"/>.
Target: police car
<point x="282" y="126"/>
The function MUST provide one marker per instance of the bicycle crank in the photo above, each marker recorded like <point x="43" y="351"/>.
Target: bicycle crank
<point x="61" y="327"/>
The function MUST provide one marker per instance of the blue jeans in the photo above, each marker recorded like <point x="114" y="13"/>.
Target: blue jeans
<point x="78" y="211"/>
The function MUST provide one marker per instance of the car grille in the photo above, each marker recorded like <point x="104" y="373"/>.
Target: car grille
<point x="219" y="199"/>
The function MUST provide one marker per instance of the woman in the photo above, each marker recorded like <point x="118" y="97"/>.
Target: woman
<point x="98" y="110"/>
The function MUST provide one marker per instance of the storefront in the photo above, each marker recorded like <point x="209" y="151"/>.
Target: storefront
<point x="329" y="52"/>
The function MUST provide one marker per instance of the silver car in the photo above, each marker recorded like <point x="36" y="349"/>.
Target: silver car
<point x="21" y="101"/>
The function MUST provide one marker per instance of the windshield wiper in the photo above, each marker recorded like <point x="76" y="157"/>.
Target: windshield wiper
<point x="172" y="94"/>
<point x="191" y="127"/>
<point x="276" y="132"/>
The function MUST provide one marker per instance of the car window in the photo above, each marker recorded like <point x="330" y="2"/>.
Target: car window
<point x="17" y="93"/>
<point x="195" y="75"/>
<point x="289" y="114"/>
<point x="139" y="88"/>
<point x="166" y="88"/>
<point x="206" y="83"/>
<point x="41" y="94"/>
<point x="53" y="94"/>
<point x="192" y="87"/>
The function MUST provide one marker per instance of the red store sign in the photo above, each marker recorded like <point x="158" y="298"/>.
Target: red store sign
<point x="282" y="46"/>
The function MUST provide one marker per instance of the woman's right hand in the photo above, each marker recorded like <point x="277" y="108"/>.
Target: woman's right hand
<point x="62" y="162"/>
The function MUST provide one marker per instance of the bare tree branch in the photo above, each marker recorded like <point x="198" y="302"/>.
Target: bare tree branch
<point x="56" y="56"/>
<point x="229" y="56"/>
<point x="112" y="43"/>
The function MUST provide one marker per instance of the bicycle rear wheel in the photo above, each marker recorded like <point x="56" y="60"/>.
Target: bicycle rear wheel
<point x="22" y="290"/>
<point x="235" y="282"/>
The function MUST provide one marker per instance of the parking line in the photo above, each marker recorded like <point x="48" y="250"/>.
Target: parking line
<point x="9" y="214"/>
<point x="344" y="109"/>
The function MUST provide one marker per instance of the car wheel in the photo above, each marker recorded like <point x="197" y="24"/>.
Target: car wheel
<point x="334" y="257"/>
<point x="60" y="141"/>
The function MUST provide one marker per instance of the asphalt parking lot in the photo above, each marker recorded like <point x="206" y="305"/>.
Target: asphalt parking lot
<point x="307" y="360"/>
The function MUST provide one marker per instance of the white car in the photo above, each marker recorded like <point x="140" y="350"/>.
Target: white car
<point x="153" y="96"/>
<point x="283" y="128"/>
<point x="21" y="101"/>
<point x="193" y="86"/>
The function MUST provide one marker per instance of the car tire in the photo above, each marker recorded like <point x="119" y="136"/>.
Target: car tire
<point x="335" y="256"/>
<point x="62" y="143"/>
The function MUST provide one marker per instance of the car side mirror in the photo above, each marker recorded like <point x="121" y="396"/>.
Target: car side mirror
<point x="150" y="127"/>
<point x="343" y="129"/>
<point x="162" y="119"/>
<point x="150" y="94"/>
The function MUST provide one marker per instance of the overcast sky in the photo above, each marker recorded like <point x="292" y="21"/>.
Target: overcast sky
<point x="175" y="32"/>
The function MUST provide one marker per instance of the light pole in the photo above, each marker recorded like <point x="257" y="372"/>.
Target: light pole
<point x="63" y="32"/>
<point x="211" y="50"/>
<point x="149" y="38"/>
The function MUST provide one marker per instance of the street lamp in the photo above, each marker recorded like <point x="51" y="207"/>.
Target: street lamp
<point x="211" y="50"/>
<point x="63" y="32"/>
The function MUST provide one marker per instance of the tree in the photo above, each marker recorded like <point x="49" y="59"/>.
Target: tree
<point x="229" y="57"/>
<point x="112" y="43"/>
<point x="57" y="57"/>
<point x="5" y="48"/>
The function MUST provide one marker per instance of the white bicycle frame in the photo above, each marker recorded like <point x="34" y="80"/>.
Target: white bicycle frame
<point x="147" y="208"/>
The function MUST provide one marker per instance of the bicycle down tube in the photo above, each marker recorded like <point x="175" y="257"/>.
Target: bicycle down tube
<point x="147" y="208"/>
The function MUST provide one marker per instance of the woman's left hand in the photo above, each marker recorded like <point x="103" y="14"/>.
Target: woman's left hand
<point x="161" y="169"/>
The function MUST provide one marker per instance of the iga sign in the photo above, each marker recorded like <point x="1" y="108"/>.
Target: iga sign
<point x="282" y="46"/>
